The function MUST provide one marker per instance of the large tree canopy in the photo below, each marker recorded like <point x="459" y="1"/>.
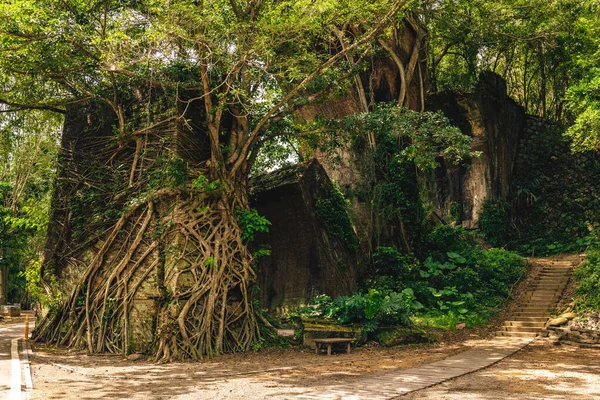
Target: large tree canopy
<point x="244" y="68"/>
<point x="248" y="62"/>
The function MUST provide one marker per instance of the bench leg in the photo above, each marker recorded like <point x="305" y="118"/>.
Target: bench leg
<point x="329" y="349"/>
<point x="316" y="348"/>
<point x="348" y="348"/>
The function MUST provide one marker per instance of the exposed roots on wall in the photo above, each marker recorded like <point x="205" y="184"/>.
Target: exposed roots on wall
<point x="185" y="249"/>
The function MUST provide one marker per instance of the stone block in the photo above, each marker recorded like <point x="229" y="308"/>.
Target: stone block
<point x="10" y="310"/>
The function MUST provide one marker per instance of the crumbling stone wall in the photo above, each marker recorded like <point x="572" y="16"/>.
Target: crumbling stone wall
<point x="495" y="122"/>
<point x="306" y="259"/>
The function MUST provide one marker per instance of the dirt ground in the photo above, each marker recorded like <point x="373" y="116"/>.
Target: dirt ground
<point x="59" y="374"/>
<point x="539" y="371"/>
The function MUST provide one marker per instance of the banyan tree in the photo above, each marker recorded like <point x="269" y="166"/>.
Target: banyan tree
<point x="166" y="106"/>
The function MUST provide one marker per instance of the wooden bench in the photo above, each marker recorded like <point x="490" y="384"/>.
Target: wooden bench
<point x="330" y="342"/>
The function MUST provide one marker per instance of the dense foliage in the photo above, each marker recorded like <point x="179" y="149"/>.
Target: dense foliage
<point x="456" y="282"/>
<point x="543" y="49"/>
<point x="552" y="207"/>
<point x="28" y="151"/>
<point x="369" y="310"/>
<point x="587" y="277"/>
<point x="455" y="278"/>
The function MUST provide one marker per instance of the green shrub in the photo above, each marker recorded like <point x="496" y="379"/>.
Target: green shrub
<point x="467" y="283"/>
<point x="368" y="309"/>
<point x="374" y="308"/>
<point x="446" y="238"/>
<point x="587" y="277"/>
<point x="494" y="221"/>
<point x="388" y="261"/>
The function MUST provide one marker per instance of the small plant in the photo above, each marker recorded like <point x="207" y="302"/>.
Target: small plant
<point x="205" y="185"/>
<point x="251" y="222"/>
<point x="168" y="172"/>
<point x="258" y="344"/>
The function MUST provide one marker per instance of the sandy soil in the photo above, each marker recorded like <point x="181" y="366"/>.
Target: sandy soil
<point x="60" y="374"/>
<point x="539" y="371"/>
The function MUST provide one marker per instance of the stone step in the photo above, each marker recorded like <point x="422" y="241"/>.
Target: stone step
<point x="538" y="314"/>
<point x="515" y="334"/>
<point x="554" y="273"/>
<point x="545" y="299"/>
<point x="529" y="319"/>
<point x="541" y="296"/>
<point x="547" y="285"/>
<point x="554" y="289"/>
<point x="534" y="309"/>
<point x="556" y="280"/>
<point x="564" y="272"/>
<point x="551" y="279"/>
<point x="542" y="302"/>
<point x="532" y="324"/>
<point x="522" y="329"/>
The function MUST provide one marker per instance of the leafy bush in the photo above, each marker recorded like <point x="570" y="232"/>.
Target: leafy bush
<point x="446" y="238"/>
<point x="494" y="221"/>
<point x="368" y="309"/>
<point x="456" y="282"/>
<point x="587" y="277"/>
<point x="374" y="308"/>
<point x="388" y="261"/>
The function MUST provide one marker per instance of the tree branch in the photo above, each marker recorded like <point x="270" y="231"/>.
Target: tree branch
<point x="23" y="107"/>
<point x="263" y="121"/>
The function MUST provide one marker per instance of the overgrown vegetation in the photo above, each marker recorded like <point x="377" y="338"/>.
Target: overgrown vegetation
<point x="587" y="277"/>
<point x="553" y="206"/>
<point x="438" y="274"/>
<point x="455" y="282"/>
<point x="28" y="151"/>
<point x="332" y="210"/>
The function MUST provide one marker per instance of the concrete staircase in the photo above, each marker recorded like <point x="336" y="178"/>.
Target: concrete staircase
<point x="540" y="301"/>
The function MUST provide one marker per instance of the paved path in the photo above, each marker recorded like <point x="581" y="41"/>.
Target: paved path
<point x="396" y="384"/>
<point x="10" y="387"/>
